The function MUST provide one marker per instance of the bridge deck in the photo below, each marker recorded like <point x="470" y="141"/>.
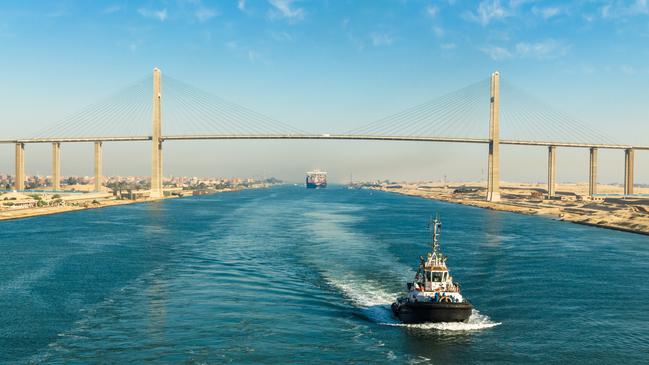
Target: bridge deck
<point x="321" y="137"/>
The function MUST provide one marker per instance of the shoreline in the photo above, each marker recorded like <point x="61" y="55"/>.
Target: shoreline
<point x="610" y="219"/>
<point x="14" y="214"/>
<point x="7" y="215"/>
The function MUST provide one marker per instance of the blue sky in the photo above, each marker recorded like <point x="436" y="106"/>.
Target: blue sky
<point x="329" y="65"/>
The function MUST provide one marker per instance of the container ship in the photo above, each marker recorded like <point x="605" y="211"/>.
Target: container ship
<point x="316" y="179"/>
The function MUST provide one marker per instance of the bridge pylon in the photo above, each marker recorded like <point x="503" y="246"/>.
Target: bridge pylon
<point x="98" y="166"/>
<point x="493" y="170"/>
<point x="629" y="167"/>
<point x="19" y="181"/>
<point x="592" y="173"/>
<point x="56" y="166"/>
<point x="552" y="171"/>
<point x="156" y="141"/>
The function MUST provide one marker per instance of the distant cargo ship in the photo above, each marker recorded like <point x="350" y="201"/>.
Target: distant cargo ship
<point x="316" y="179"/>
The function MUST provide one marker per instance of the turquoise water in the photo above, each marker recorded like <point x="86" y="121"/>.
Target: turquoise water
<point x="290" y="275"/>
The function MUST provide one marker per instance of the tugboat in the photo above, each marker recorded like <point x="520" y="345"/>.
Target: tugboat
<point x="433" y="296"/>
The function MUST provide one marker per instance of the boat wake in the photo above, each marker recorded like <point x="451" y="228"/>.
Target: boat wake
<point x="340" y="254"/>
<point x="375" y="307"/>
<point x="476" y="322"/>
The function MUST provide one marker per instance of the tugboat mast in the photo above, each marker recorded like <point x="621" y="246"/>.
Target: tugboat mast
<point x="437" y="229"/>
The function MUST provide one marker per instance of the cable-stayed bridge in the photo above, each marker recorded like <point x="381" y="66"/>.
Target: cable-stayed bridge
<point x="487" y="112"/>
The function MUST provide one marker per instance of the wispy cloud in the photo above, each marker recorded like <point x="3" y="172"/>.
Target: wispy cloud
<point x="640" y="7"/>
<point x="358" y="42"/>
<point x="439" y="31"/>
<point x="242" y="51"/>
<point x="241" y="5"/>
<point x="281" y="36"/>
<point x="252" y="56"/>
<point x="614" y="9"/>
<point x="204" y="14"/>
<point x="547" y="49"/>
<point x="57" y="13"/>
<point x="285" y="9"/>
<point x="432" y="11"/>
<point x="628" y="70"/>
<point x="381" y="39"/>
<point x="589" y="18"/>
<point x="619" y="9"/>
<point x="112" y="9"/>
<point x="161" y="15"/>
<point x="487" y="11"/>
<point x="587" y="69"/>
<point x="131" y="45"/>
<point x="547" y="12"/>
<point x="496" y="53"/>
<point x="605" y="11"/>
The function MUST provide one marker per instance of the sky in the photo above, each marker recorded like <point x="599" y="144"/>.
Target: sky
<point x="328" y="66"/>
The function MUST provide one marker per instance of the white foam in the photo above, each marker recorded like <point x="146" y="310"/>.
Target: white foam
<point x="375" y="304"/>
<point x="476" y="322"/>
<point x="363" y="294"/>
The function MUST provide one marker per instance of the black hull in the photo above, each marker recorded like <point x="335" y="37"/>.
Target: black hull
<point x="316" y="186"/>
<point x="432" y="312"/>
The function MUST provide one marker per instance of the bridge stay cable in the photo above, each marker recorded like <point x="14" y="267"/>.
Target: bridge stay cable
<point x="216" y="114"/>
<point x="455" y="114"/>
<point x="527" y="117"/>
<point x="106" y="117"/>
<point x="189" y="111"/>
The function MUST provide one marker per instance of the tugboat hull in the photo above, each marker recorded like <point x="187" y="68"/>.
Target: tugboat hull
<point x="432" y="312"/>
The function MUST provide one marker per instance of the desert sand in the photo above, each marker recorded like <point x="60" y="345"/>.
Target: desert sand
<point x="609" y="209"/>
<point x="6" y="214"/>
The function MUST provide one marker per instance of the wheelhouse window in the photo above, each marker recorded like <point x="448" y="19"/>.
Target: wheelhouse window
<point x="436" y="276"/>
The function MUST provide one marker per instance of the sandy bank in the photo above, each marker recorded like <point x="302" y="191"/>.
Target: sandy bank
<point x="37" y="211"/>
<point x="630" y="215"/>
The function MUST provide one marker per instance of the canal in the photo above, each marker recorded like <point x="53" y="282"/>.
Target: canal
<point x="289" y="275"/>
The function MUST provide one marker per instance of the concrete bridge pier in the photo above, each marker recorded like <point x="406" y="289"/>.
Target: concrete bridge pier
<point x="629" y="163"/>
<point x="493" y="170"/>
<point x="19" y="182"/>
<point x="98" y="166"/>
<point x="156" y="142"/>
<point x="592" y="173"/>
<point x="552" y="171"/>
<point x="56" y="166"/>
